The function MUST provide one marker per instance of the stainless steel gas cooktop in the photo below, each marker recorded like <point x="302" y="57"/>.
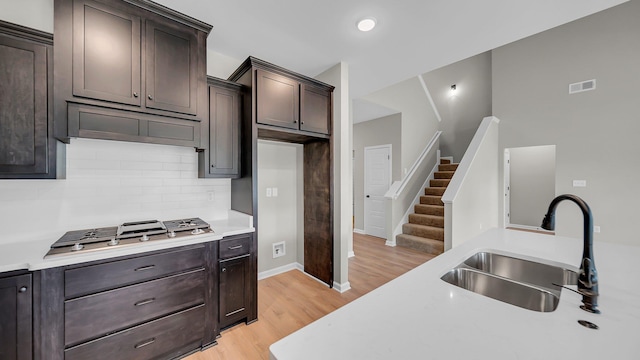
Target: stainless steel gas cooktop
<point x="127" y="234"/>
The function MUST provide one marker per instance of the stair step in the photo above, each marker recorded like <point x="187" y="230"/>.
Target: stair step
<point x="439" y="182"/>
<point x="429" y="209"/>
<point x="443" y="174"/>
<point x="435" y="191"/>
<point x="423" y="231"/>
<point x="430" y="246"/>
<point x="448" y="167"/>
<point x="445" y="161"/>
<point x="429" y="220"/>
<point x="431" y="200"/>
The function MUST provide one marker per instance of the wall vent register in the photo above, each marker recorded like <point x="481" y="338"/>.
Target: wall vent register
<point x="582" y="86"/>
<point x="127" y="234"/>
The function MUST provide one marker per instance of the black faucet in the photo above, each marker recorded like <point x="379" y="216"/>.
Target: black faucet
<point x="588" y="277"/>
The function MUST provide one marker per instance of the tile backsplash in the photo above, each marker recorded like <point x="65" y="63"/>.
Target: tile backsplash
<point x="108" y="183"/>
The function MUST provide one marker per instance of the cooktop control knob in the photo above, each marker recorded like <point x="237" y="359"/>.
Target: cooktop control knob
<point x="77" y="247"/>
<point x="144" y="237"/>
<point x="113" y="242"/>
<point x="172" y="234"/>
<point x="197" y="231"/>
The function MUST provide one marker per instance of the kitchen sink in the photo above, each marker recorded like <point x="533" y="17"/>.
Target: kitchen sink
<point x="525" y="283"/>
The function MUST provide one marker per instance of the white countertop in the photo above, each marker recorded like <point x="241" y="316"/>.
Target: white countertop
<point x="419" y="316"/>
<point x="30" y="254"/>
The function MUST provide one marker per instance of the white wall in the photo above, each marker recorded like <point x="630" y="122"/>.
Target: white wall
<point x="471" y="199"/>
<point x="595" y="132"/>
<point x="532" y="179"/>
<point x="108" y="183"/>
<point x="281" y="218"/>
<point x="338" y="76"/>
<point x="419" y="121"/>
<point x="37" y="14"/>
<point x="386" y="130"/>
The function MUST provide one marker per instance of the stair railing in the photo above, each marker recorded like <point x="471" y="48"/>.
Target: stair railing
<point x="403" y="194"/>
<point x="471" y="199"/>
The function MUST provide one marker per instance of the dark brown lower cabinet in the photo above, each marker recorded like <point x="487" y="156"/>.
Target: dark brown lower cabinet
<point x="15" y="317"/>
<point x="238" y="280"/>
<point x="158" y="305"/>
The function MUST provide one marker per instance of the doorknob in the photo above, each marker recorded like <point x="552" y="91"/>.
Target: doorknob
<point x="368" y="196"/>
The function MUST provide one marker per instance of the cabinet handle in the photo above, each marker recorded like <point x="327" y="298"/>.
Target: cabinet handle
<point x="148" y="267"/>
<point x="224" y="270"/>
<point x="150" y="97"/>
<point x="145" y="343"/>
<point x="135" y="94"/>
<point x="235" y="247"/>
<point x="295" y="121"/>
<point x="145" y="302"/>
<point x="213" y="165"/>
<point x="22" y="289"/>
<point x="301" y="122"/>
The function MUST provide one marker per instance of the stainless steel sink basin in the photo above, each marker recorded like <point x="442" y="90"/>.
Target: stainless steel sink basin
<point x="526" y="271"/>
<point x="511" y="292"/>
<point x="528" y="284"/>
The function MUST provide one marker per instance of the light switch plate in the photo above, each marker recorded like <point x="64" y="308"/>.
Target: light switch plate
<point x="579" y="183"/>
<point x="268" y="192"/>
<point x="274" y="192"/>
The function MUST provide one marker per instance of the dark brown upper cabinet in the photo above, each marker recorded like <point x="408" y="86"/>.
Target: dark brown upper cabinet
<point x="292" y="101"/>
<point x="221" y="134"/>
<point x="129" y="70"/>
<point x="27" y="145"/>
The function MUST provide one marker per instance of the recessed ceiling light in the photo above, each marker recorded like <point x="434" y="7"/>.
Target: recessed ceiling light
<point x="366" y="24"/>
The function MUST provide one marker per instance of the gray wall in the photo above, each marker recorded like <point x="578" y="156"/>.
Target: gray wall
<point x="281" y="217"/>
<point x="419" y="121"/>
<point x="532" y="182"/>
<point x="386" y="130"/>
<point x="595" y="132"/>
<point x="463" y="110"/>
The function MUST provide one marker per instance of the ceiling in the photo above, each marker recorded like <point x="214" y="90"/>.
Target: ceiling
<point x="412" y="36"/>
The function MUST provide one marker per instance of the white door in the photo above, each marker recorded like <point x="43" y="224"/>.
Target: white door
<point x="377" y="179"/>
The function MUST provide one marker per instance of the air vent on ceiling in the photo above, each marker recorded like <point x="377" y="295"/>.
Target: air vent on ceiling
<point x="582" y="86"/>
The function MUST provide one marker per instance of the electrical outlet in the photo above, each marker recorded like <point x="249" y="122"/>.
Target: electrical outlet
<point x="274" y="191"/>
<point x="596" y="229"/>
<point x="268" y="192"/>
<point x="212" y="195"/>
<point x="279" y="249"/>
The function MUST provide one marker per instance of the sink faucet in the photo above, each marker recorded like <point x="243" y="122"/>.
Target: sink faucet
<point x="588" y="277"/>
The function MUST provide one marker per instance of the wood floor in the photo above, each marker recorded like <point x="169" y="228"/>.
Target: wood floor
<point x="289" y="301"/>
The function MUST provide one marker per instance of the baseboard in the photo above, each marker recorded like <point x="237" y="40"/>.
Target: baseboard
<point x="279" y="270"/>
<point x="390" y="243"/>
<point x="351" y="254"/>
<point x="359" y="231"/>
<point x="341" y="287"/>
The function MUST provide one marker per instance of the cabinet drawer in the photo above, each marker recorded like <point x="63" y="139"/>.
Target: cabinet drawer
<point x="164" y="338"/>
<point x="95" y="315"/>
<point x="234" y="247"/>
<point x="95" y="278"/>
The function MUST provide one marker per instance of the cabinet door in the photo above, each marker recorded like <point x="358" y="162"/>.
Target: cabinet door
<point x="224" y="132"/>
<point x="171" y="68"/>
<point x="234" y="292"/>
<point x="106" y="53"/>
<point x="15" y="318"/>
<point x="277" y="100"/>
<point x="315" y="109"/>
<point x="23" y="108"/>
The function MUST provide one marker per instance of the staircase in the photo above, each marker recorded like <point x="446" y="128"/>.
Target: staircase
<point x="425" y="229"/>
